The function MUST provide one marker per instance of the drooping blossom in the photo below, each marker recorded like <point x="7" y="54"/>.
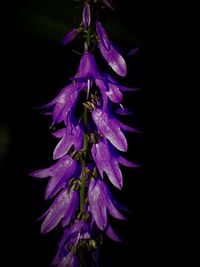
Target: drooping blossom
<point x="70" y="136"/>
<point x="60" y="174"/>
<point x="107" y="160"/>
<point x="65" y="102"/>
<point x="111" y="128"/>
<point x="101" y="202"/>
<point x="63" y="208"/>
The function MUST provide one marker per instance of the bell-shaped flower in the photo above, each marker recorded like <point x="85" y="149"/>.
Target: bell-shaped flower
<point x="60" y="174"/>
<point x="65" y="102"/>
<point x="70" y="36"/>
<point x="107" y="160"/>
<point x="87" y="68"/>
<point x="114" y="59"/>
<point x="63" y="208"/>
<point x="70" y="136"/>
<point x="79" y="230"/>
<point x="101" y="202"/>
<point x="86" y="16"/>
<point x="111" y="128"/>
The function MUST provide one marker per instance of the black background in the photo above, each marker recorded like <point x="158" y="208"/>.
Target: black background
<point x="163" y="194"/>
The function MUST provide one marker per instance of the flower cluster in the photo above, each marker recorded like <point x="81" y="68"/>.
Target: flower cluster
<point x="89" y="148"/>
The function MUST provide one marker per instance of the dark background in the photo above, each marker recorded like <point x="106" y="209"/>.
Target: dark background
<point x="163" y="194"/>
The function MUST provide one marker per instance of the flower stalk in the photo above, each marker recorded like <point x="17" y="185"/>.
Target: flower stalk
<point x="89" y="148"/>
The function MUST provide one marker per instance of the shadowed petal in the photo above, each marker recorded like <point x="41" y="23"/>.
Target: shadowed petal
<point x="69" y="36"/>
<point x="112" y="235"/>
<point x="61" y="207"/>
<point x="97" y="204"/>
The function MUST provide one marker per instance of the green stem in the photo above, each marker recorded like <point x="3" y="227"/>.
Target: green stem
<point x="83" y="175"/>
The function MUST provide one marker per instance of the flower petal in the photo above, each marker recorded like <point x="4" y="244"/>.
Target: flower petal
<point x="97" y="204"/>
<point x="107" y="163"/>
<point x="102" y="35"/>
<point x="69" y="36"/>
<point x="58" y="210"/>
<point x="114" y="59"/>
<point x="86" y="16"/>
<point x="109" y="127"/>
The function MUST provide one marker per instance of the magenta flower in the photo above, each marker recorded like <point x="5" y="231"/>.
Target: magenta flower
<point x="63" y="208"/>
<point x="60" y="174"/>
<point x="101" y="202"/>
<point x="86" y="16"/>
<point x="107" y="160"/>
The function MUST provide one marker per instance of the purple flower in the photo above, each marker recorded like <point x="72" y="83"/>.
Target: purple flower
<point x="101" y="201"/>
<point x="72" y="235"/>
<point x="110" y="128"/>
<point x="114" y="59"/>
<point x="69" y="36"/>
<point x="86" y="16"/>
<point x="71" y="136"/>
<point x="102" y="35"/>
<point x="63" y="208"/>
<point x="60" y="174"/>
<point x="65" y="102"/>
<point x="87" y="68"/>
<point x="107" y="160"/>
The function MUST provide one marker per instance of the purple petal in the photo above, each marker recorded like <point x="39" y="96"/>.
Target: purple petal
<point x="69" y="36"/>
<point x="114" y="59"/>
<point x="87" y="68"/>
<point x="86" y="16"/>
<point x="123" y="111"/>
<point x="127" y="163"/>
<point x="112" y="235"/>
<point x="72" y="136"/>
<point x="58" y="210"/>
<point x="102" y="35"/>
<point x="109" y="127"/>
<point x="61" y="173"/>
<point x="59" y="133"/>
<point x="43" y="173"/>
<point x="132" y="52"/>
<point x="65" y="104"/>
<point x="110" y="206"/>
<point x="97" y="204"/>
<point x="107" y="163"/>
